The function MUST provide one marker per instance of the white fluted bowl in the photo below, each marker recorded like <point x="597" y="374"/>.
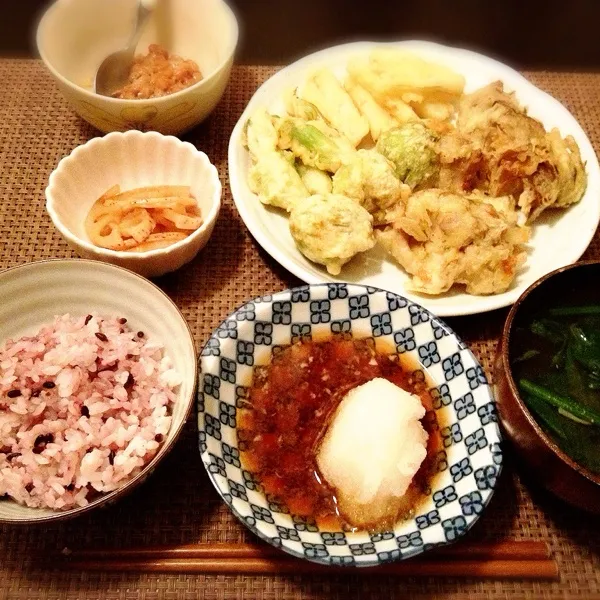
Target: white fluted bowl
<point x="132" y="159"/>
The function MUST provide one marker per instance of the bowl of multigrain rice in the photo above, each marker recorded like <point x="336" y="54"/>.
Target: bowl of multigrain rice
<point x="97" y="377"/>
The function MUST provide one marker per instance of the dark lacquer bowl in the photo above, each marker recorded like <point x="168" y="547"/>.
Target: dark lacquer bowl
<point x="540" y="455"/>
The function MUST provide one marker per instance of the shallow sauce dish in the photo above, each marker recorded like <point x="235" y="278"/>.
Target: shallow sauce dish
<point x="33" y="294"/>
<point x="73" y="38"/>
<point x="545" y="461"/>
<point x="552" y="244"/>
<point x="464" y="410"/>
<point x="132" y="159"/>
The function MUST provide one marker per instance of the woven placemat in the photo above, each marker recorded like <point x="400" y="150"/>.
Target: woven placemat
<point x="178" y="504"/>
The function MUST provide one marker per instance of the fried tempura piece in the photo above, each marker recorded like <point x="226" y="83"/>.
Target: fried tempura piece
<point x="379" y="119"/>
<point x="394" y="73"/>
<point x="571" y="172"/>
<point x="462" y="165"/>
<point x="314" y="143"/>
<point x="370" y="179"/>
<point x="325" y="92"/>
<point x="300" y="108"/>
<point x="411" y="149"/>
<point x="444" y="238"/>
<point x="315" y="180"/>
<point x="518" y="158"/>
<point x="438" y="111"/>
<point x="260" y="135"/>
<point x="330" y="229"/>
<point x="275" y="181"/>
<point x="272" y="176"/>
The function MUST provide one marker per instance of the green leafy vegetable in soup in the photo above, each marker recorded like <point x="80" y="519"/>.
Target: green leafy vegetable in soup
<point x="585" y="348"/>
<point x="555" y="359"/>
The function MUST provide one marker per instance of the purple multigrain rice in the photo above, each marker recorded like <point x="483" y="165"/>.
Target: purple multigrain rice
<point x="41" y="441"/>
<point x="80" y="427"/>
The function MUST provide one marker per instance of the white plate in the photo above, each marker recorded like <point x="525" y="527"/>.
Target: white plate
<point x="559" y="238"/>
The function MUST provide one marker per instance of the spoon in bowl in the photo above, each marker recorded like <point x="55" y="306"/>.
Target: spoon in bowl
<point x="113" y="73"/>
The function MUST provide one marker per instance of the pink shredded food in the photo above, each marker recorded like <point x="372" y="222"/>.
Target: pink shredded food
<point x="84" y="405"/>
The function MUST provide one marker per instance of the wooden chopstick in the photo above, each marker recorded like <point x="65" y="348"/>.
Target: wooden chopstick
<point x="497" y="569"/>
<point x="507" y="550"/>
<point x="502" y="560"/>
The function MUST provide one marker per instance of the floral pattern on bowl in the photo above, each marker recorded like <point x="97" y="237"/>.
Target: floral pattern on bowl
<point x="464" y="409"/>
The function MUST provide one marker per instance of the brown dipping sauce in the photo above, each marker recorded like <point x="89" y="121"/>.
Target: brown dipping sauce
<point x="290" y="405"/>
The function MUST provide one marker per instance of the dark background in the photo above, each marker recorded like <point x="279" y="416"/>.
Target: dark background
<point x="530" y="34"/>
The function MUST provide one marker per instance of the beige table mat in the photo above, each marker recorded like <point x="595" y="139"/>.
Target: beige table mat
<point x="178" y="503"/>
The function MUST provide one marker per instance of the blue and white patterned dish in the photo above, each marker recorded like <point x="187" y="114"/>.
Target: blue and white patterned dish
<point x="469" y="465"/>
